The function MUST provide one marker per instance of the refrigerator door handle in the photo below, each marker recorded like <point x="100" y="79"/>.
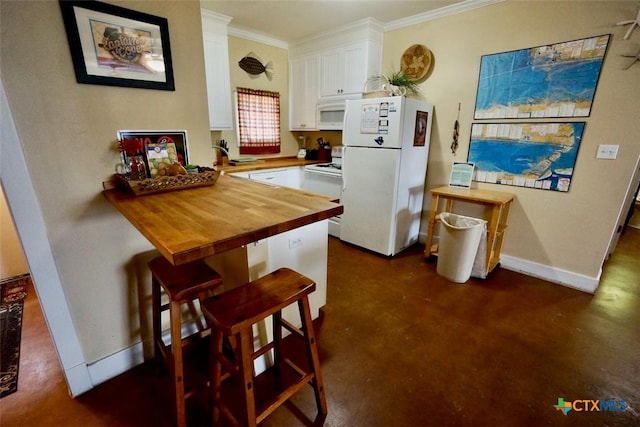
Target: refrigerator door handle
<point x="344" y="157"/>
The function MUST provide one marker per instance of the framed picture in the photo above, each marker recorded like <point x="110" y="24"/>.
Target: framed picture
<point x="420" y="131"/>
<point x="114" y="46"/>
<point x="556" y="80"/>
<point x="461" y="174"/>
<point x="534" y="155"/>
<point x="153" y="138"/>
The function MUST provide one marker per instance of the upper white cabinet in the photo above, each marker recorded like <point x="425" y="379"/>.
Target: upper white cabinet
<point x="216" y="58"/>
<point x="344" y="70"/>
<point x="331" y="68"/>
<point x="303" y="92"/>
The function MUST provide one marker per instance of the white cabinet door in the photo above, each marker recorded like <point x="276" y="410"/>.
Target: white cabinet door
<point x="344" y="71"/>
<point x="285" y="177"/>
<point x="305" y="250"/>
<point x="303" y="93"/>
<point x="332" y="73"/>
<point x="216" y="57"/>
<point x="355" y="72"/>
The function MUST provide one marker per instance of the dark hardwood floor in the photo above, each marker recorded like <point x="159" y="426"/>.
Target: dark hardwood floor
<point x="401" y="346"/>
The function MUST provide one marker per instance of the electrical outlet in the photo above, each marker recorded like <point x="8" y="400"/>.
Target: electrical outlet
<point x="295" y="243"/>
<point x="607" y="151"/>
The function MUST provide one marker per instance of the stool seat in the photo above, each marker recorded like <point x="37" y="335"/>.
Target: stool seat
<point x="231" y="316"/>
<point x="182" y="284"/>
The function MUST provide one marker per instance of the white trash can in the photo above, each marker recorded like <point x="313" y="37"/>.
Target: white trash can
<point x="459" y="240"/>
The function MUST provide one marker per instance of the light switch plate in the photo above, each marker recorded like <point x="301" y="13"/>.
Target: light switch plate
<point x="607" y="151"/>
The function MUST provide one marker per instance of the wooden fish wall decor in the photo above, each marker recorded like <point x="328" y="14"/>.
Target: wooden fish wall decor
<point x="253" y="65"/>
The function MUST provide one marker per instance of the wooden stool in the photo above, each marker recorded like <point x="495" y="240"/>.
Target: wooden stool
<point x="182" y="284"/>
<point x="231" y="316"/>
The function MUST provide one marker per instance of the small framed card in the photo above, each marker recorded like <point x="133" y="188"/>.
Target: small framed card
<point x="160" y="156"/>
<point x="461" y="174"/>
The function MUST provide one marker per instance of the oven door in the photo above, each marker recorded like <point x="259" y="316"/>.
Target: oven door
<point x="328" y="184"/>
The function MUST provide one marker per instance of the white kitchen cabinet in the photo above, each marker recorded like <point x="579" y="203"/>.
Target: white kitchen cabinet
<point x="304" y="249"/>
<point x="216" y="57"/>
<point x="285" y="177"/>
<point x="346" y="58"/>
<point x="303" y="92"/>
<point x="344" y="71"/>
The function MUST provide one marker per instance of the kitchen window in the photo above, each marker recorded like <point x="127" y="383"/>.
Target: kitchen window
<point x="258" y="113"/>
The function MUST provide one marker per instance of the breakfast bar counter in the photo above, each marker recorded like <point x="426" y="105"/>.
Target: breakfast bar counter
<point x="196" y="223"/>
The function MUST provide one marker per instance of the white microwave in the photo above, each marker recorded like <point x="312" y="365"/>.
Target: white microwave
<point x="330" y="116"/>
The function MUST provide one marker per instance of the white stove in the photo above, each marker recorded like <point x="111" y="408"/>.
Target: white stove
<point x="333" y="168"/>
<point x="326" y="179"/>
<point x="325" y="168"/>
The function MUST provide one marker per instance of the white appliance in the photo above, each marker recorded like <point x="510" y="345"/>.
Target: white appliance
<point x="326" y="179"/>
<point x="384" y="165"/>
<point x="330" y="116"/>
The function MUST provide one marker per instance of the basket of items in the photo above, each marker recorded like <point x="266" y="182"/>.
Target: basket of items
<point x="179" y="181"/>
<point x="161" y="171"/>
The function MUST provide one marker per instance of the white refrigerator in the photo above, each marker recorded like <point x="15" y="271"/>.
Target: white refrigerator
<point x="384" y="165"/>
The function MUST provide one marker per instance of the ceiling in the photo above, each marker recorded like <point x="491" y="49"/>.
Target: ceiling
<point x="292" y="21"/>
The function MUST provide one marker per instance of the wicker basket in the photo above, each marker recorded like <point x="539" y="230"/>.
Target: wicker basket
<point x="167" y="183"/>
<point x="376" y="87"/>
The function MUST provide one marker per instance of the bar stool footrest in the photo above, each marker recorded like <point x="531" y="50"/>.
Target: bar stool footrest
<point x="272" y="387"/>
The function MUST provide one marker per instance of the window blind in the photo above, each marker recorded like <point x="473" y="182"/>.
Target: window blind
<point x="258" y="121"/>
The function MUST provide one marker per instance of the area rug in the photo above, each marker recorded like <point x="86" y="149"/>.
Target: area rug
<point x="11" y="330"/>
<point x="13" y="291"/>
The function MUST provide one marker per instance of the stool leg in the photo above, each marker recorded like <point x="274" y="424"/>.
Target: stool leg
<point x="178" y="369"/>
<point x="245" y="350"/>
<point x="216" y="372"/>
<point x="156" y="311"/>
<point x="312" y="355"/>
<point x="277" y="339"/>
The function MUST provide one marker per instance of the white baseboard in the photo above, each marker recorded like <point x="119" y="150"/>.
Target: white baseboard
<point x="551" y="274"/>
<point x="128" y="358"/>
<point x="116" y="364"/>
<point x="541" y="271"/>
<point x="78" y="379"/>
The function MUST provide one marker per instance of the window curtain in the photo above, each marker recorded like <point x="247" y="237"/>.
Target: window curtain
<point x="258" y="121"/>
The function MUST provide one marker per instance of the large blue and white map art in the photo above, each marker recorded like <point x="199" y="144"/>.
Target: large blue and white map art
<point x="534" y="155"/>
<point x="557" y="80"/>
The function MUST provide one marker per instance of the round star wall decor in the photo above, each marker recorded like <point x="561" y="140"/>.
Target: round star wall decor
<point x="416" y="62"/>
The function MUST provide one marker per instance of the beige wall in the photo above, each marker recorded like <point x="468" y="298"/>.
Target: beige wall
<point x="67" y="131"/>
<point x="567" y="231"/>
<point x="279" y="82"/>
<point x="12" y="261"/>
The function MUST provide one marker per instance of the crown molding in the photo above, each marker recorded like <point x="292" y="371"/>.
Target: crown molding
<point x="442" y="12"/>
<point x="222" y="19"/>
<point x="248" y="35"/>
<point x="370" y="23"/>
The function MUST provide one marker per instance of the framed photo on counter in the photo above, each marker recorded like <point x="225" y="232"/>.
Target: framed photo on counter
<point x="154" y="138"/>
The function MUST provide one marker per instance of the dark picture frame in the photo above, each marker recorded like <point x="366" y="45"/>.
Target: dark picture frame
<point x="178" y="137"/>
<point x="114" y="46"/>
<point x="420" y="131"/>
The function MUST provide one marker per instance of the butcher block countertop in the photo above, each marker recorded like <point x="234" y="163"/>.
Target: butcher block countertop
<point x="268" y="163"/>
<point x="191" y="224"/>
